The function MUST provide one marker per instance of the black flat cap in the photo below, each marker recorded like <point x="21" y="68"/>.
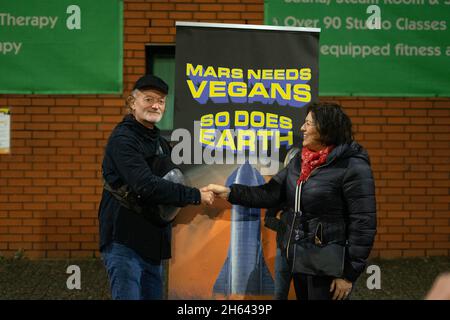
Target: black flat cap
<point x="151" y="82"/>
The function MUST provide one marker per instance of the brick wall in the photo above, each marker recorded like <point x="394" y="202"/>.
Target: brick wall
<point x="50" y="185"/>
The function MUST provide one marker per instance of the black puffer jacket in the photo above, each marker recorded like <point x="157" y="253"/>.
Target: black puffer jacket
<point x="343" y="188"/>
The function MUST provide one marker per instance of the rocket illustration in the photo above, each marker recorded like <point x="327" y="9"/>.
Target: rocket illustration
<point x="245" y="272"/>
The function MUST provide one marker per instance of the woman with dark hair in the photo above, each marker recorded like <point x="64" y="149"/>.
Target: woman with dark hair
<point x="329" y="190"/>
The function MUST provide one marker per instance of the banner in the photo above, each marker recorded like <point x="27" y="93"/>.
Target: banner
<point x="243" y="90"/>
<point x="406" y="52"/>
<point x="61" y="46"/>
<point x="240" y="100"/>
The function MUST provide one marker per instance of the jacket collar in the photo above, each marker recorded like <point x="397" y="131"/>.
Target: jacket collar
<point x="130" y="121"/>
<point x="353" y="149"/>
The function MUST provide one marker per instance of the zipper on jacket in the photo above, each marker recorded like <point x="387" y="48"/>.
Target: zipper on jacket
<point x="293" y="262"/>
<point x="297" y="206"/>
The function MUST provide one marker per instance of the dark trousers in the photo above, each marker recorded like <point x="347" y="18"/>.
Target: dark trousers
<point x="309" y="287"/>
<point x="283" y="276"/>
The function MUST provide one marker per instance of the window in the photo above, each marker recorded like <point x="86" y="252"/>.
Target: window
<point x="161" y="62"/>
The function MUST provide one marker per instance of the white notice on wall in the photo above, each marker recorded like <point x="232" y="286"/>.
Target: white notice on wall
<point x="5" y="130"/>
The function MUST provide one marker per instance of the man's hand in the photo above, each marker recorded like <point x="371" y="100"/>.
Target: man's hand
<point x="220" y="191"/>
<point x="341" y="288"/>
<point x="207" y="197"/>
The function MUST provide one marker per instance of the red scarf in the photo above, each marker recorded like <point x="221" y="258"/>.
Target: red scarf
<point x="311" y="160"/>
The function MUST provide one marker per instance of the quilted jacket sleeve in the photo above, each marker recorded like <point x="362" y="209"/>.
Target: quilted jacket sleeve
<point x="134" y="171"/>
<point x="265" y="196"/>
<point x="359" y="194"/>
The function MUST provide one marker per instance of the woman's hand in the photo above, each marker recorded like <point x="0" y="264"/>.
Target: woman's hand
<point x="220" y="191"/>
<point x="341" y="288"/>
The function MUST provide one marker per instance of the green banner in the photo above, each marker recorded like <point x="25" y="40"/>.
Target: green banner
<point x="61" y="46"/>
<point x="408" y="55"/>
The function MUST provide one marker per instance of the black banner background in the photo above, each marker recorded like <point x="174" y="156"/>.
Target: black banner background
<point x="242" y="49"/>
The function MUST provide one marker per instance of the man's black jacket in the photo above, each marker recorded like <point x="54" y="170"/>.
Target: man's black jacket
<point x="126" y="162"/>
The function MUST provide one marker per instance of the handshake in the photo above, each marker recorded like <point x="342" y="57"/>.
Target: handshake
<point x="211" y="191"/>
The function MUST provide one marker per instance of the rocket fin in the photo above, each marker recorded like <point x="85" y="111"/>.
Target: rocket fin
<point x="222" y="284"/>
